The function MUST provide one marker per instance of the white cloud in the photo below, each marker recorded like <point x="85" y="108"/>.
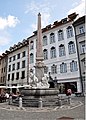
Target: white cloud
<point x="10" y="21"/>
<point x="44" y="8"/>
<point x="80" y="8"/>
<point x="1" y="52"/>
<point x="5" y="38"/>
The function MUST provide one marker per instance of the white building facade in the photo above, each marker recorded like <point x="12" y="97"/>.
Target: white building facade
<point x="60" y="54"/>
<point x="17" y="65"/>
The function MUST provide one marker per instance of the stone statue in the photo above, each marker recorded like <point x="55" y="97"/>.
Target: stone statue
<point x="33" y="80"/>
<point x="44" y="82"/>
<point x="51" y="82"/>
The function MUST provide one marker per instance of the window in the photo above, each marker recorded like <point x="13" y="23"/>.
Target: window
<point x="18" y="65"/>
<point x="83" y="65"/>
<point x="61" y="50"/>
<point x="12" y="76"/>
<point x="31" y="58"/>
<point x="69" y="32"/>
<point x="10" y="59"/>
<point x="83" y="48"/>
<point x="13" y="67"/>
<point x="81" y="29"/>
<point x="23" y="64"/>
<point x="31" y="45"/>
<point x="45" y="54"/>
<point x="53" y="52"/>
<point x="52" y="38"/>
<point x="54" y="69"/>
<point x="71" y="47"/>
<point x="23" y="53"/>
<point x="9" y="69"/>
<point x="3" y="61"/>
<point x="63" y="68"/>
<point x="44" y="40"/>
<point x="14" y="57"/>
<point x="23" y="75"/>
<point x="18" y="56"/>
<point x="2" y="70"/>
<point x="73" y="66"/>
<point x="8" y="77"/>
<point x="60" y="35"/>
<point x="45" y="70"/>
<point x="17" y="75"/>
<point x="3" y="78"/>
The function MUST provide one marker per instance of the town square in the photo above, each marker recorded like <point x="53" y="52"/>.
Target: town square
<point x="42" y="76"/>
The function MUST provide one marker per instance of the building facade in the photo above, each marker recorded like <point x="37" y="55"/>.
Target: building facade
<point x="3" y="69"/>
<point x="17" y="65"/>
<point x="60" y="56"/>
<point x="79" y="26"/>
<point x="60" y="53"/>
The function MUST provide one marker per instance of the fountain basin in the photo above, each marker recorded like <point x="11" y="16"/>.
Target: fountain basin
<point x="39" y="91"/>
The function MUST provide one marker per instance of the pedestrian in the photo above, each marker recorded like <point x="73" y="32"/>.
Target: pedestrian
<point x="69" y="92"/>
<point x="6" y="96"/>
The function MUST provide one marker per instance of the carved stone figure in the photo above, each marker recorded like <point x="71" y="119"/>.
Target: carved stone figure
<point x="44" y="82"/>
<point x="33" y="80"/>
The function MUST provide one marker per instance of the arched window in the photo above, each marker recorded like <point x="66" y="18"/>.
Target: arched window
<point x="45" y="54"/>
<point x="71" y="47"/>
<point x="63" y="68"/>
<point x="61" y="50"/>
<point x="54" y="69"/>
<point x="31" y="58"/>
<point x="53" y="52"/>
<point x="52" y="38"/>
<point x="73" y="66"/>
<point x="44" y="40"/>
<point x="69" y="32"/>
<point x="60" y="35"/>
<point x="31" y="45"/>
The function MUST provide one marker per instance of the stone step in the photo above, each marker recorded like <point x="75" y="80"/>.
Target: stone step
<point x="34" y="102"/>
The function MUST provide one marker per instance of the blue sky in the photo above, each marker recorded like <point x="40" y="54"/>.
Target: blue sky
<point x="18" y="18"/>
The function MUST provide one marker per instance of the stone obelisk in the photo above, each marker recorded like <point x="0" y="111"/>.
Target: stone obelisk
<point x="39" y="66"/>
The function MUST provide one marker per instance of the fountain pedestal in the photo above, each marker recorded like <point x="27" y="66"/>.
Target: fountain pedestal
<point x="42" y="92"/>
<point x="48" y="96"/>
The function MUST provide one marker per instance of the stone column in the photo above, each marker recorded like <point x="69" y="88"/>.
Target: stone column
<point x="39" y="66"/>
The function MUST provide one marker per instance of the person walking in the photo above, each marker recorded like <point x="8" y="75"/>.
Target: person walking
<point x="69" y="92"/>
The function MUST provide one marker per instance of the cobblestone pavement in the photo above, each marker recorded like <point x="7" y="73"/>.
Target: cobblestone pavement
<point x="75" y="110"/>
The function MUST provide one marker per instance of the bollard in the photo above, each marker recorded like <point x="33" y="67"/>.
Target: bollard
<point x="69" y="99"/>
<point x="60" y="102"/>
<point x="10" y="100"/>
<point x="40" y="102"/>
<point x="20" y="102"/>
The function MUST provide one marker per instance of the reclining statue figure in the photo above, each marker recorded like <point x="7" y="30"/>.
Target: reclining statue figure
<point x="34" y="83"/>
<point x="44" y="82"/>
<point x="33" y="80"/>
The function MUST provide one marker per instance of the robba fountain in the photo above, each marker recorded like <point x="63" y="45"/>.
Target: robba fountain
<point x="38" y="93"/>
